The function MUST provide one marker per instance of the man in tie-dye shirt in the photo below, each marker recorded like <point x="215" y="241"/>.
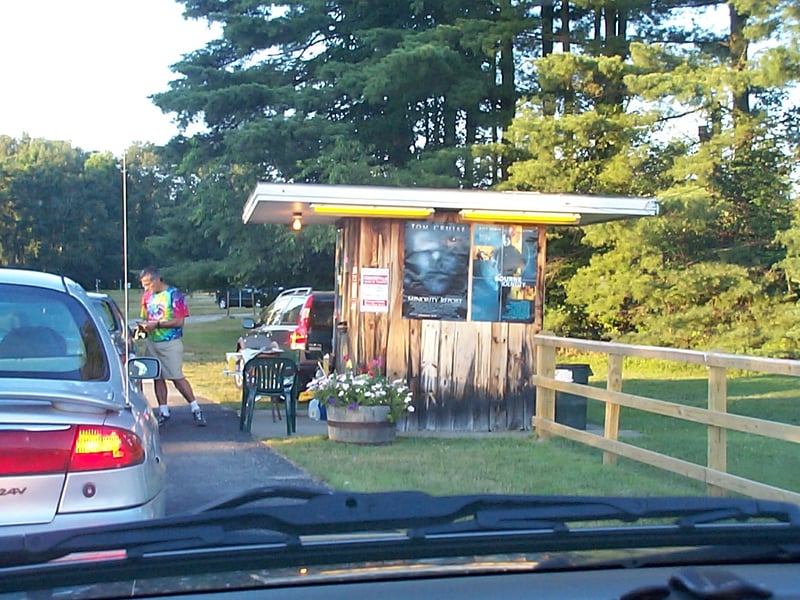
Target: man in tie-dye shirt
<point x="164" y="310"/>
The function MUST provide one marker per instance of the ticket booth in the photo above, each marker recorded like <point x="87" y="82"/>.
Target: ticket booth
<point x="444" y="287"/>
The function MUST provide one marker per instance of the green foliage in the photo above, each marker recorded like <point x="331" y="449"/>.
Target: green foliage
<point x="789" y="239"/>
<point x="61" y="210"/>
<point x="59" y="206"/>
<point x="706" y="272"/>
<point x="382" y="86"/>
<point x="587" y="153"/>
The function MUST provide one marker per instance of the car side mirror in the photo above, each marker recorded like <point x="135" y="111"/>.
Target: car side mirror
<point x="144" y="367"/>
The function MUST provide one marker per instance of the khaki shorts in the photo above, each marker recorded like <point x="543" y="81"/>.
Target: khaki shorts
<point x="171" y="356"/>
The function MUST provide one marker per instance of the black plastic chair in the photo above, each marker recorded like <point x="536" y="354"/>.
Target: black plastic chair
<point x="275" y="377"/>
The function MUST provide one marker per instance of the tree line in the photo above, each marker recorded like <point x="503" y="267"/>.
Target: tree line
<point x="689" y="101"/>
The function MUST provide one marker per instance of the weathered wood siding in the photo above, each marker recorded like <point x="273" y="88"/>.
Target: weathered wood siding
<point x="465" y="375"/>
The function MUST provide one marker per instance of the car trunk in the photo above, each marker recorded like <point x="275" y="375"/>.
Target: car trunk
<point x="41" y="424"/>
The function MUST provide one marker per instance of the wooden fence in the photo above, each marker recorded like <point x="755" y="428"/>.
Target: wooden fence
<point x="715" y="416"/>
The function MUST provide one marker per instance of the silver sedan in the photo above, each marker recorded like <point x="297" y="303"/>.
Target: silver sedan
<point x="79" y="444"/>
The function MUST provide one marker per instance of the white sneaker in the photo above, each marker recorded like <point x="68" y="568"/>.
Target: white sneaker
<point x="199" y="419"/>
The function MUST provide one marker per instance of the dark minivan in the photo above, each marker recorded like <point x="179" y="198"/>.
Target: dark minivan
<point x="298" y="319"/>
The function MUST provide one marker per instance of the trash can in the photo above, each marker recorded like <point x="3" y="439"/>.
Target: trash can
<point x="571" y="408"/>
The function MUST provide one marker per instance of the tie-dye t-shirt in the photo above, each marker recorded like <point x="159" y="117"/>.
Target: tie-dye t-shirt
<point x="164" y="306"/>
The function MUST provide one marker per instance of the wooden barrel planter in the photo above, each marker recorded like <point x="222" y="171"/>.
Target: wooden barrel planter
<point x="367" y="425"/>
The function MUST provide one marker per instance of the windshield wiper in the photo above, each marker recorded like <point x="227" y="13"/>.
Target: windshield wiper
<point x="422" y="514"/>
<point x="290" y="526"/>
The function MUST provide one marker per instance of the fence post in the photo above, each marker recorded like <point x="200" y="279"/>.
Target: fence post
<point x="613" y="384"/>
<point x="717" y="436"/>
<point x="545" y="397"/>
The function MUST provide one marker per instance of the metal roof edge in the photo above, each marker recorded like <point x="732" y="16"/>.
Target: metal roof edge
<point x="289" y="198"/>
<point x="444" y="198"/>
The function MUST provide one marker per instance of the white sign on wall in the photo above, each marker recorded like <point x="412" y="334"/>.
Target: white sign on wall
<point x="374" y="290"/>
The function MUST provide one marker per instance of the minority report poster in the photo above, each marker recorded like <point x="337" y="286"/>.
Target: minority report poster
<point x="436" y="270"/>
<point x="504" y="273"/>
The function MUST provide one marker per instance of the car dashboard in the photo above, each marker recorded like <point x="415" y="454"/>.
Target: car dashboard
<point x="776" y="581"/>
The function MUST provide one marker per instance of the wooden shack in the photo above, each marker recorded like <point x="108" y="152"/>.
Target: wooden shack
<point x="444" y="287"/>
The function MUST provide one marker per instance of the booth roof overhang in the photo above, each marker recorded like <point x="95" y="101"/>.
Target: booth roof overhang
<point x="325" y="204"/>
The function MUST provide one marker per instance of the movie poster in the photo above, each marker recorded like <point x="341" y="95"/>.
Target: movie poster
<point x="435" y="271"/>
<point x="504" y="273"/>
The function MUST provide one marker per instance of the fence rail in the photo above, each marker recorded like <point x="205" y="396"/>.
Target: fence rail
<point x="715" y="416"/>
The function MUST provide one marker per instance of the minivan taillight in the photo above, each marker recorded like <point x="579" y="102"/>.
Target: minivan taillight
<point x="74" y="448"/>
<point x="299" y="337"/>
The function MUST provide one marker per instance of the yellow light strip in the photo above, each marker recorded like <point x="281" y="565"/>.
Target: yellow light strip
<point x="355" y="210"/>
<point x="544" y="218"/>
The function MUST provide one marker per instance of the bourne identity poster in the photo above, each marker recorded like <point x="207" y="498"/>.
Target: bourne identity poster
<point x="504" y="273"/>
<point x="436" y="270"/>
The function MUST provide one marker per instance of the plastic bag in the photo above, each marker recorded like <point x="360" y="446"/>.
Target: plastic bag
<point x="313" y="409"/>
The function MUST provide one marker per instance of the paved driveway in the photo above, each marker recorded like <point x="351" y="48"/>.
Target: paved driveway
<point x="205" y="464"/>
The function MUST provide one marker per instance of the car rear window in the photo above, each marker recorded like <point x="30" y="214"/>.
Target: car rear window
<point x="291" y="311"/>
<point x="46" y="334"/>
<point x="105" y="312"/>
<point x="321" y="312"/>
<point x="272" y="314"/>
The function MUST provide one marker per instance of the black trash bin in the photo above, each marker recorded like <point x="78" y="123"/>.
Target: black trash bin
<point x="571" y="408"/>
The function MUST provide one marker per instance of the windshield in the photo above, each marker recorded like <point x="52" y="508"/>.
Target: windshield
<point x="47" y="335"/>
<point x="419" y="299"/>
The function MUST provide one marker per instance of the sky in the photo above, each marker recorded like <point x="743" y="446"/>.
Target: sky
<point x="82" y="71"/>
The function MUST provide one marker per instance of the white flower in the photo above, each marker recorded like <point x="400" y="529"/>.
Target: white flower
<point x="369" y="389"/>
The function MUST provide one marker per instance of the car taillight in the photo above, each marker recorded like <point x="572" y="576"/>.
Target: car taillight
<point x="28" y="452"/>
<point x="299" y="337"/>
<point x="74" y="448"/>
<point x="99" y="448"/>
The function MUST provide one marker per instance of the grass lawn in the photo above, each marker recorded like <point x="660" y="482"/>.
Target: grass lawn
<point x="502" y="464"/>
<point x="520" y="463"/>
